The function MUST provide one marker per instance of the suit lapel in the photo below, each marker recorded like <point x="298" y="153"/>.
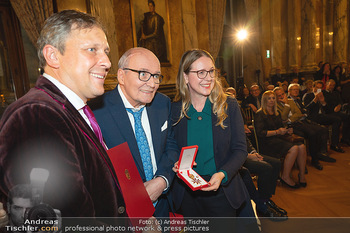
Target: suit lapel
<point x="155" y="130"/>
<point x="121" y="119"/>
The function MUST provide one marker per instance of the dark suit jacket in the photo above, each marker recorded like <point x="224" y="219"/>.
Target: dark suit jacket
<point x="116" y="129"/>
<point x="230" y="152"/>
<point x="332" y="99"/>
<point x="43" y="130"/>
<point x="313" y="108"/>
<point x="251" y="100"/>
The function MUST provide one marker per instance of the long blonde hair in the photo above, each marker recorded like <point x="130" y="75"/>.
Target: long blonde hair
<point x="217" y="96"/>
<point x="264" y="98"/>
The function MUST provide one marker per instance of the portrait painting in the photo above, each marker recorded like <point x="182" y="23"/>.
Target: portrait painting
<point x="151" y="30"/>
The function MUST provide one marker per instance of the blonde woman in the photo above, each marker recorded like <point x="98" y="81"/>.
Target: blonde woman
<point x="270" y="131"/>
<point x="204" y="115"/>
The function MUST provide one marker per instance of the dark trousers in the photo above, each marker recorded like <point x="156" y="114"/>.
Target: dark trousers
<point x="345" y="118"/>
<point x="334" y="121"/>
<point x="316" y="134"/>
<point x="206" y="204"/>
<point x="267" y="171"/>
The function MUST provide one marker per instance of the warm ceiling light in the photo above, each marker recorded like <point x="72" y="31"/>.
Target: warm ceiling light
<point x="242" y="34"/>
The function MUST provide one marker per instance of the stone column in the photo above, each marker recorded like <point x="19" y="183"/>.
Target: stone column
<point x="189" y="24"/>
<point x="308" y="35"/>
<point x="340" y="34"/>
<point x="104" y="10"/>
<point x="276" y="36"/>
<point x="294" y="34"/>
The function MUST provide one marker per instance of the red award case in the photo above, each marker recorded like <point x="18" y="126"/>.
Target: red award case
<point x="137" y="202"/>
<point x="186" y="173"/>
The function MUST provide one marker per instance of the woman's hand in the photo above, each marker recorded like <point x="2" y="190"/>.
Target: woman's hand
<point x="176" y="167"/>
<point x="215" y="182"/>
<point x="290" y="130"/>
<point x="282" y="131"/>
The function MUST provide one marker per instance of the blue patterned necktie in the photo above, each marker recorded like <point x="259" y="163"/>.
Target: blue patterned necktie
<point x="142" y="144"/>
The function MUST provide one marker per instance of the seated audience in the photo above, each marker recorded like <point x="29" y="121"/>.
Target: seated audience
<point x="270" y="130"/>
<point x="292" y="110"/>
<point x="253" y="100"/>
<point x="334" y="103"/>
<point x="317" y="107"/>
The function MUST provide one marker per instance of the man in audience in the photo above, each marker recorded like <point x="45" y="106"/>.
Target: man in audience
<point x="254" y="99"/>
<point x="277" y="79"/>
<point x="334" y="103"/>
<point x="134" y="112"/>
<point x="345" y="86"/>
<point x="52" y="128"/>
<point x="267" y="169"/>
<point x="292" y="110"/>
<point x="317" y="107"/>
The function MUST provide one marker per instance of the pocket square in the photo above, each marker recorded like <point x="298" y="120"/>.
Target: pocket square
<point x="165" y="126"/>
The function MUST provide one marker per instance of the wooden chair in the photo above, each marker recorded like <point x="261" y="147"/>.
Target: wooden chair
<point x="248" y="115"/>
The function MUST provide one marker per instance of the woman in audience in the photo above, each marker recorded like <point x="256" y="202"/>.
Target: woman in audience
<point x="270" y="131"/>
<point x="324" y="74"/>
<point x="200" y="102"/>
<point x="337" y="77"/>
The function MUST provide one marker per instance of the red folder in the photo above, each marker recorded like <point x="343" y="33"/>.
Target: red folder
<point x="137" y="202"/>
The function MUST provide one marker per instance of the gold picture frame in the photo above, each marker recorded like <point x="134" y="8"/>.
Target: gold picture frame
<point x="141" y="15"/>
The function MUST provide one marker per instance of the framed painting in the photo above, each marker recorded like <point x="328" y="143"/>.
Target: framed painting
<point x="151" y="29"/>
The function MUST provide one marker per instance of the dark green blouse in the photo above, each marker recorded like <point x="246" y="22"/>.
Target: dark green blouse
<point x="200" y="132"/>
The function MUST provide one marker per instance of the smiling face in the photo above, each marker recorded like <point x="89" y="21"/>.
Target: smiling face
<point x="84" y="64"/>
<point x="138" y="92"/>
<point x="200" y="88"/>
<point x="255" y="91"/>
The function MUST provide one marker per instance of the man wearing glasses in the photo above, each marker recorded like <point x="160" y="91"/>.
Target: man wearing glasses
<point x="134" y="112"/>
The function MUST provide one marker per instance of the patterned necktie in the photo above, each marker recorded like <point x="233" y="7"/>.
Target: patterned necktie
<point x="90" y="115"/>
<point x="142" y="144"/>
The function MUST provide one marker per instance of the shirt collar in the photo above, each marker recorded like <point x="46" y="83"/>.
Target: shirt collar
<point x="72" y="97"/>
<point x="206" y="109"/>
<point x="126" y="102"/>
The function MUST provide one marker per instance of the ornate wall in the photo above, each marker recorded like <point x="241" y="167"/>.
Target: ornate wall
<point x="298" y="33"/>
<point x="188" y="29"/>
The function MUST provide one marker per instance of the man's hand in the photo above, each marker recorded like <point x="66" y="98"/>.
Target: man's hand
<point x="253" y="107"/>
<point x="215" y="182"/>
<point x="337" y="108"/>
<point x="319" y="97"/>
<point x="155" y="187"/>
<point x="255" y="157"/>
<point x="284" y="100"/>
<point x="246" y="129"/>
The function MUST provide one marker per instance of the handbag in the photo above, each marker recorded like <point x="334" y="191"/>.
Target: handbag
<point x="293" y="138"/>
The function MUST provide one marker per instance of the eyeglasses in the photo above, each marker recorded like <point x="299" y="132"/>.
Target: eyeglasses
<point x="145" y="75"/>
<point x="201" y="74"/>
